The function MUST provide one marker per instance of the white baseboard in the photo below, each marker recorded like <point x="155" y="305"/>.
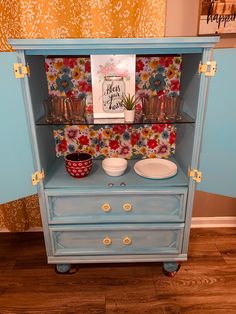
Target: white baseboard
<point x="213" y="222"/>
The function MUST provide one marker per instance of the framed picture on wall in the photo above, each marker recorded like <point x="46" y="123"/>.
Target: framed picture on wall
<point x="112" y="77"/>
<point x="217" y="17"/>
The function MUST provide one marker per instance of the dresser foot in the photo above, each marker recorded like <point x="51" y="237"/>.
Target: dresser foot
<point x="66" y="269"/>
<point x="63" y="268"/>
<point x="170" y="268"/>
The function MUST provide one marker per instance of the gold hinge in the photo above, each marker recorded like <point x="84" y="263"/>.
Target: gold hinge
<point x="21" y="70"/>
<point x="37" y="177"/>
<point x="209" y="68"/>
<point x="195" y="174"/>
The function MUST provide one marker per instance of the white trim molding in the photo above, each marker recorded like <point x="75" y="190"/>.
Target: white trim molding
<point x="213" y="222"/>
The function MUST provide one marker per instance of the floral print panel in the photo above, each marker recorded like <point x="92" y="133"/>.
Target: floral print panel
<point x="127" y="141"/>
<point x="155" y="75"/>
<point x="158" y="75"/>
<point x="69" y="76"/>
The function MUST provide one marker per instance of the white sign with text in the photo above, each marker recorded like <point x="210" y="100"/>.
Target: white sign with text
<point x="112" y="77"/>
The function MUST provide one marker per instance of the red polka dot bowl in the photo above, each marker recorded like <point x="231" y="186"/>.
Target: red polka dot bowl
<point x="78" y="165"/>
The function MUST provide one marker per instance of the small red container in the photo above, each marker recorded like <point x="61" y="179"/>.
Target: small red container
<point x="78" y="165"/>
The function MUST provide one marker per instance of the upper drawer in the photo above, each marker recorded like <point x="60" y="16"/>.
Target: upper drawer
<point x="138" y="206"/>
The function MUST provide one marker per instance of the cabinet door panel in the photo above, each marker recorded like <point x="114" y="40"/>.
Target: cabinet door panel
<point x="218" y="154"/>
<point x="16" y="163"/>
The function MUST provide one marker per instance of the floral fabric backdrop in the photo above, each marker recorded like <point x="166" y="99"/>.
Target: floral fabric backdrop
<point x="154" y="76"/>
<point x="158" y="75"/>
<point x="80" y="19"/>
<point x="69" y="76"/>
<point x="127" y="141"/>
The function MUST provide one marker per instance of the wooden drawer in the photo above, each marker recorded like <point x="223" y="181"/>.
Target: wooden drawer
<point x="126" y="207"/>
<point x="116" y="239"/>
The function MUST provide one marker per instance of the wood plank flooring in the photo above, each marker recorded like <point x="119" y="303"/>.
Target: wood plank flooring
<point x="205" y="284"/>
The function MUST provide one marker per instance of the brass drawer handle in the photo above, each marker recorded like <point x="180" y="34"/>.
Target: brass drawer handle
<point x="127" y="241"/>
<point x="107" y="241"/>
<point x="127" y="207"/>
<point x="106" y="207"/>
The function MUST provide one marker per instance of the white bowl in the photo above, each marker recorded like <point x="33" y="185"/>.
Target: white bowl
<point x="114" y="173"/>
<point x="114" y="166"/>
<point x="115" y="163"/>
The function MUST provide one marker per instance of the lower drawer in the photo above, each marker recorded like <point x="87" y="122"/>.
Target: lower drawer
<point x="117" y="239"/>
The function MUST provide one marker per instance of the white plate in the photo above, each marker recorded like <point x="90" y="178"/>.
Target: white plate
<point x="155" y="168"/>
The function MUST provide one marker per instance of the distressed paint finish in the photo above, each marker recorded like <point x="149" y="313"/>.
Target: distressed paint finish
<point x="218" y="155"/>
<point x="144" y="239"/>
<point x="133" y="44"/>
<point x="16" y="165"/>
<point x="145" y="207"/>
<point x="72" y="242"/>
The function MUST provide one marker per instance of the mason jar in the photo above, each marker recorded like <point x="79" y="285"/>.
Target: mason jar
<point x="113" y="88"/>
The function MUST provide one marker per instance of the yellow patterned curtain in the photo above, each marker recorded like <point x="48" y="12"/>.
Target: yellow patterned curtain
<point x="80" y="19"/>
<point x="71" y="19"/>
<point x="20" y="215"/>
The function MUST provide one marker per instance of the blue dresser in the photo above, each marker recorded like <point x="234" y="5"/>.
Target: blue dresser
<point x="129" y="218"/>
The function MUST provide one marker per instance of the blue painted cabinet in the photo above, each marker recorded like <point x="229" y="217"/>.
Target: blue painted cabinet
<point x="147" y="220"/>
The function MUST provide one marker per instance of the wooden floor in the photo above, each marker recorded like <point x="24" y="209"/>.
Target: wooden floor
<point x="206" y="283"/>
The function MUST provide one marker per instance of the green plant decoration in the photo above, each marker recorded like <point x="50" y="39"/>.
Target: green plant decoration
<point x="129" y="102"/>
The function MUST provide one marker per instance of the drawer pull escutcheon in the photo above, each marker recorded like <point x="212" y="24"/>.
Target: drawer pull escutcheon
<point x="107" y="241"/>
<point x="106" y="207"/>
<point x="127" y="207"/>
<point x="127" y="241"/>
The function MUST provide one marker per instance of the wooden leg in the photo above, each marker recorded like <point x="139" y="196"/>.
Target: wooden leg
<point x="170" y="268"/>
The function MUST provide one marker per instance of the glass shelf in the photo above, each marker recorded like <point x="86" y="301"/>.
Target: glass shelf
<point x="89" y="120"/>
